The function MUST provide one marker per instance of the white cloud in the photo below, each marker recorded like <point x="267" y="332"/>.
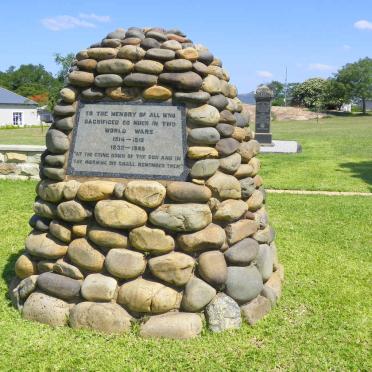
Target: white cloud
<point x="95" y="17"/>
<point x="346" y="47"/>
<point x="264" y="74"/>
<point x="321" y="67"/>
<point x="363" y="25"/>
<point x="65" y="22"/>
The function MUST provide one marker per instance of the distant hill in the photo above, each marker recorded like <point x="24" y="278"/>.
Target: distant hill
<point x="247" y="98"/>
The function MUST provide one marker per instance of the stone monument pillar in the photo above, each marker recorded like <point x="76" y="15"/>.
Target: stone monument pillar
<point x="263" y="96"/>
<point x="150" y="208"/>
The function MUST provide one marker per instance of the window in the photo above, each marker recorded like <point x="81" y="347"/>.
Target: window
<point x="17" y="118"/>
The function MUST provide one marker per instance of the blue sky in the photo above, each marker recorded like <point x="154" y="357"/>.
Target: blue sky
<point x="256" y="40"/>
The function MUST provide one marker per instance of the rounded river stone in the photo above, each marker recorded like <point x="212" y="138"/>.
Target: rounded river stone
<point x="59" y="286"/>
<point x="243" y="284"/>
<point x="242" y="253"/>
<point x="204" y="136"/>
<point x="124" y="263"/>
<point x="182" y="217"/>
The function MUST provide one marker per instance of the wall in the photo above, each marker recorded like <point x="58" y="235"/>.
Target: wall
<point x="20" y="162"/>
<point x="29" y="113"/>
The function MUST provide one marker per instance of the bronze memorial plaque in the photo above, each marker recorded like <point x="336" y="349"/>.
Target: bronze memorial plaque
<point x="129" y="140"/>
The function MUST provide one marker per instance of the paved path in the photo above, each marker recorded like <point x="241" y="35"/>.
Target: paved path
<point x="328" y="193"/>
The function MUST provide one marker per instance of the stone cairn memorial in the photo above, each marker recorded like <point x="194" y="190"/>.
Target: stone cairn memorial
<point x="150" y="209"/>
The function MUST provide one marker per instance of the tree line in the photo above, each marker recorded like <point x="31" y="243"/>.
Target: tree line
<point x="352" y="83"/>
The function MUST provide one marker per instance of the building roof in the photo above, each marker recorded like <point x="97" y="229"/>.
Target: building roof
<point x="10" y="98"/>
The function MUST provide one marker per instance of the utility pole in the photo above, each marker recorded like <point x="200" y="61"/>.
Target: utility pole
<point x="285" y="87"/>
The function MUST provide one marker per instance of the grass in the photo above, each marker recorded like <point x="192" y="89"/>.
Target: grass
<point x="336" y="155"/>
<point x="23" y="136"/>
<point x="321" y="323"/>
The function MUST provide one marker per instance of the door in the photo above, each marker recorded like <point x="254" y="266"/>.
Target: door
<point x="17" y="118"/>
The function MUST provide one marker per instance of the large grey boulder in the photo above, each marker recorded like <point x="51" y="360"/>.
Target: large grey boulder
<point x="243" y="283"/>
<point x="59" y="286"/>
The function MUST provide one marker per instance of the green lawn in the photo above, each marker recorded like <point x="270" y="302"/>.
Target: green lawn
<point x="336" y="155"/>
<point x="23" y="136"/>
<point x="321" y="323"/>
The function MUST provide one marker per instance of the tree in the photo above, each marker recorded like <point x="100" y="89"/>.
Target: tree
<point x="311" y="93"/>
<point x="357" y="78"/>
<point x="65" y="63"/>
<point x="278" y="89"/>
<point x="28" y="81"/>
<point x="335" y="94"/>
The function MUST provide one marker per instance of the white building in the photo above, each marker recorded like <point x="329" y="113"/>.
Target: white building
<point x="17" y="110"/>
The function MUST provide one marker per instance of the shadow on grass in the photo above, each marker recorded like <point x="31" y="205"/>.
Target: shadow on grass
<point x="361" y="170"/>
<point x="8" y="273"/>
<point x="347" y="114"/>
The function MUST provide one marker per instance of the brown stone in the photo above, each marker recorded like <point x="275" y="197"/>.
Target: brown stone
<point x="81" y="78"/>
<point x="50" y="191"/>
<point x="191" y="54"/>
<point x="211" y="84"/>
<point x="249" y="149"/>
<point x="224" y="186"/>
<point x="72" y="211"/>
<point x="45" y="246"/>
<point x="123" y="93"/>
<point x="7" y="168"/>
<point x="153" y="241"/>
<point x="244" y="170"/>
<point x="102" y="53"/>
<point x="61" y="231"/>
<point x="201" y="152"/>
<point x="212" y="237"/>
<point x="212" y="268"/>
<point x="172" y="325"/>
<point x="24" y="267"/>
<point x="79" y="231"/>
<point x="106" y="238"/>
<point x="145" y="296"/>
<point x="125" y="264"/>
<point x="84" y="255"/>
<point x="119" y="214"/>
<point x="227" y="117"/>
<point x="174" y="268"/>
<point x="95" y="190"/>
<point x="88" y="64"/>
<point x="230" y="210"/>
<point x="107" y="318"/>
<point x="205" y="115"/>
<point x="68" y="94"/>
<point x="115" y="66"/>
<point x="131" y="52"/>
<point x="188" y="192"/>
<point x="148" y="66"/>
<point x="149" y="194"/>
<point x="239" y="230"/>
<point x="157" y="93"/>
